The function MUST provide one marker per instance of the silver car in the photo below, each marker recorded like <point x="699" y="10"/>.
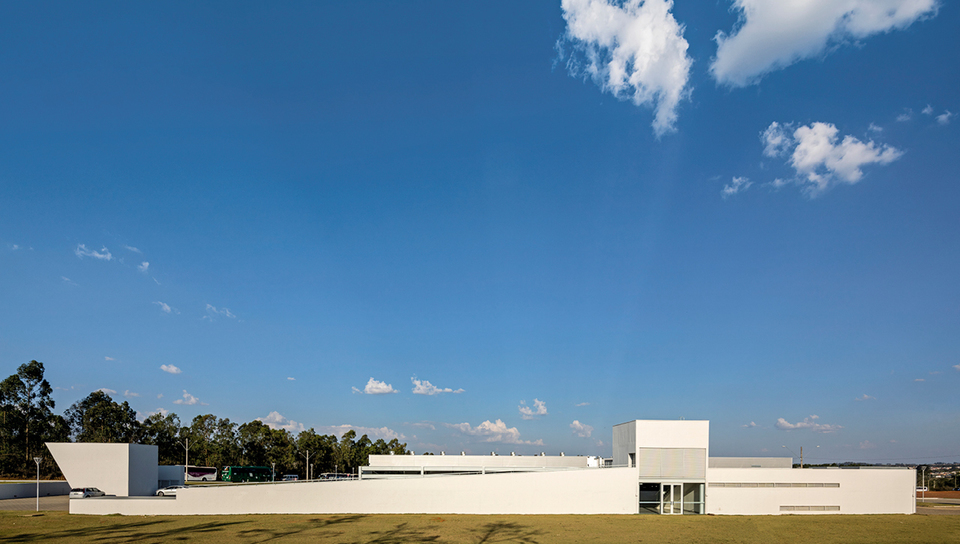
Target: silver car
<point x="169" y="491"/>
<point x="84" y="492"/>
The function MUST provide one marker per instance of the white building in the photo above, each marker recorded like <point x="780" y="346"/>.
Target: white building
<point x="658" y="467"/>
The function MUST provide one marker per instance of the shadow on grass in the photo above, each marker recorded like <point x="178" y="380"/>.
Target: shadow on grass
<point x="120" y="531"/>
<point x="400" y="533"/>
<point x="266" y="535"/>
<point x="505" y="531"/>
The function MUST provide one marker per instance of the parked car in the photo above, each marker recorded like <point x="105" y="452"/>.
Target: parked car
<point x="169" y="491"/>
<point x="84" y="492"/>
<point x="290" y="477"/>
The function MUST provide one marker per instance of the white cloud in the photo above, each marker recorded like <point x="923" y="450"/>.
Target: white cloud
<point x="750" y="425"/>
<point x="109" y="359"/>
<point x="773" y="34"/>
<point x="539" y="409"/>
<point x="867" y="445"/>
<point x="818" y="159"/>
<point x="426" y="388"/>
<point x="276" y="421"/>
<point x="905" y="116"/>
<point x="213" y="312"/>
<point x="160" y="395"/>
<point x="170" y="369"/>
<point x="130" y="394"/>
<point x="107" y="391"/>
<point x="144" y="266"/>
<point x="738" y="184"/>
<point x="919" y="380"/>
<point x="956" y="367"/>
<point x="927" y="110"/>
<point x="875" y="128"/>
<point x="581" y="430"/>
<point x="807" y="423"/>
<point x="944" y="118"/>
<point x="865" y="397"/>
<point x="374" y="387"/>
<point x="291" y="379"/>
<point x="14" y="247"/>
<point x="633" y="49"/>
<point x="141" y="416"/>
<point x="103" y="254"/>
<point x="582" y="404"/>
<point x="133" y="249"/>
<point x="67" y="280"/>
<point x="493" y="432"/>
<point x="189" y="400"/>
<point x="385" y="433"/>
<point x="165" y="308"/>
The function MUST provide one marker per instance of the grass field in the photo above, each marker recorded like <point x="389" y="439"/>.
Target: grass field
<point x="61" y="527"/>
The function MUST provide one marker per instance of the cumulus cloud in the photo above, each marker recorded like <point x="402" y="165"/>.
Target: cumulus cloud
<point x="820" y="161"/>
<point x="927" y="110"/>
<point x="144" y="266"/>
<point x="633" y="49"/>
<point x="957" y="367"/>
<point x="213" y="312"/>
<point x="737" y="185"/>
<point x="374" y="387"/>
<point x="944" y="118"/>
<point x="810" y="423"/>
<point x="875" y="128"/>
<point x="189" y="400"/>
<point x="905" y="116"/>
<point x="867" y="445"/>
<point x="130" y="394"/>
<point x="165" y="308"/>
<point x="276" y="421"/>
<point x="385" y="433"/>
<point x="423" y="387"/>
<point x="773" y="34"/>
<point x="750" y="425"/>
<point x="291" y="379"/>
<point x="107" y="391"/>
<point x="580" y="429"/>
<point x="866" y="397"/>
<point x="82" y="251"/>
<point x="539" y="409"/>
<point x="170" y="369"/>
<point x="493" y="432"/>
<point x="109" y="359"/>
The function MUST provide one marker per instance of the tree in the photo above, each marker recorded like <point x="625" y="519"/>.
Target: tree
<point x="163" y="431"/>
<point x="97" y="418"/>
<point x="27" y="419"/>
<point x="321" y="448"/>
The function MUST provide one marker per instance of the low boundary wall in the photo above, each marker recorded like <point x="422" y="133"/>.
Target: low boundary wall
<point x="22" y="490"/>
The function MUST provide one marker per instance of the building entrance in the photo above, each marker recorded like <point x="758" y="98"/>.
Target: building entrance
<point x="671" y="498"/>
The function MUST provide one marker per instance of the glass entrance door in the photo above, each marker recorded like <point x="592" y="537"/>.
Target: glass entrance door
<point x="671" y="498"/>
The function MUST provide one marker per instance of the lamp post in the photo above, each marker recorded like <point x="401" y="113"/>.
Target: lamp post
<point x="186" y="447"/>
<point x="801" y="454"/>
<point x="273" y="471"/>
<point x="306" y="467"/>
<point x="37" y="461"/>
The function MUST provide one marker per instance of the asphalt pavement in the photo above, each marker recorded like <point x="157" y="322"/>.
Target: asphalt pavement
<point x="60" y="503"/>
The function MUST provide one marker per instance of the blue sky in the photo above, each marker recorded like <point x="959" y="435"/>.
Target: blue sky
<point x="493" y="226"/>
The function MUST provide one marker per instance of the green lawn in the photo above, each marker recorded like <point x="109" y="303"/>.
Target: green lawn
<point x="57" y="527"/>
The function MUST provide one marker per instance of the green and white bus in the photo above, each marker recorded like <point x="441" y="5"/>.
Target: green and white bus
<point x="245" y="474"/>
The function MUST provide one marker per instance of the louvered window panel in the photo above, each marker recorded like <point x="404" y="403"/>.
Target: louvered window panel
<point x="672" y="462"/>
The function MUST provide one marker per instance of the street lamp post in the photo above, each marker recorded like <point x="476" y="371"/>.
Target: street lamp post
<point x="306" y="467"/>
<point x="37" y="461"/>
<point x="801" y="454"/>
<point x="186" y="447"/>
<point x="273" y="471"/>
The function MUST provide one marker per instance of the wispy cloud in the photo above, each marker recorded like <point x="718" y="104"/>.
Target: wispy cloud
<point x="276" y="421"/>
<point x="170" y="369"/>
<point x="927" y="110"/>
<point x="539" y="409"/>
<point x="865" y="397"/>
<point x="874" y="128"/>
<point x="423" y="387"/>
<point x="130" y="394"/>
<point x="107" y="391"/>
<point x="109" y="359"/>
<point x="580" y="429"/>
<point x="867" y="445"/>
<point x="375" y="387"/>
<point x="165" y="308"/>
<point x="737" y="185"/>
<point x="582" y="404"/>
<point x="291" y="379"/>
<point x="820" y="161"/>
<point x="773" y="34"/>
<point x="144" y="266"/>
<point x="905" y="116"/>
<point x="944" y="118"/>
<point x="493" y="432"/>
<point x="956" y="367"/>
<point x="919" y="380"/>
<point x="810" y="423"/>
<point x="189" y="400"/>
<point x="213" y="312"/>
<point x="82" y="251"/>
<point x="68" y="281"/>
<point x="133" y="249"/>
<point x="633" y="49"/>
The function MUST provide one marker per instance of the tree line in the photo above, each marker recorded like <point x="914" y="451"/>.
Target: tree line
<point x="27" y="421"/>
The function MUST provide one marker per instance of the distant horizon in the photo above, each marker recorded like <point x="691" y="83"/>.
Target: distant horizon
<point x="493" y="226"/>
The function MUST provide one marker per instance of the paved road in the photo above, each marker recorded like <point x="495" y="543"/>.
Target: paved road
<point x="60" y="503"/>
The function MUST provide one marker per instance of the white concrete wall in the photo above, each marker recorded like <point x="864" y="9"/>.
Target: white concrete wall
<point x="624" y="443"/>
<point x="116" y="469"/>
<point x="477" y="461"/>
<point x="604" y="491"/>
<point x="861" y="491"/>
<point x="673" y="434"/>
<point x="750" y="462"/>
<point x="19" y="490"/>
